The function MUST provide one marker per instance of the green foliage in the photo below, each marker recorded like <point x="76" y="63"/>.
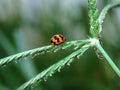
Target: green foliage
<point x="93" y="15"/>
<point x="52" y="69"/>
<point x="41" y="50"/>
<point x="80" y="47"/>
<point x="104" y="12"/>
<point x="97" y="44"/>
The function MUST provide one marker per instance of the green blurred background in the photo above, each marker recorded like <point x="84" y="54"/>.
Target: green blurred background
<point x="29" y="24"/>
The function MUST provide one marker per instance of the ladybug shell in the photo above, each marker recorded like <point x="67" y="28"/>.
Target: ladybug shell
<point x="57" y="39"/>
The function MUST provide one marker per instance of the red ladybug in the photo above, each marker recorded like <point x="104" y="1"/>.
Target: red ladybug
<point x="57" y="39"/>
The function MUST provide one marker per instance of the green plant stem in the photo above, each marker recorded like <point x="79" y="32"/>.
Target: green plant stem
<point x="56" y="67"/>
<point x="104" y="12"/>
<point x="93" y="16"/>
<point x="109" y="60"/>
<point x="41" y="50"/>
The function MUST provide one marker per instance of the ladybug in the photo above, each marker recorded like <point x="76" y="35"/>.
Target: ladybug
<point x="57" y="39"/>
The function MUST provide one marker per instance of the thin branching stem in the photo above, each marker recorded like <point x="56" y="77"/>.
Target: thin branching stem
<point x="107" y="58"/>
<point x="105" y="11"/>
<point x="41" y="50"/>
<point x="80" y="47"/>
<point x="21" y="55"/>
<point x="52" y="69"/>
